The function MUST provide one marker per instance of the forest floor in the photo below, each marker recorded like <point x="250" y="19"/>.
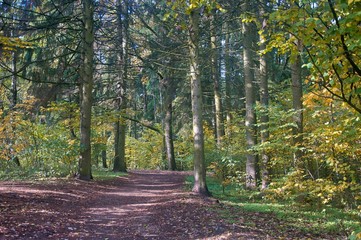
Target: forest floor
<point x="141" y="205"/>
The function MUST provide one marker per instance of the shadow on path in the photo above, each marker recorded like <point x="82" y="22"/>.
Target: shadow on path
<point x="143" y="205"/>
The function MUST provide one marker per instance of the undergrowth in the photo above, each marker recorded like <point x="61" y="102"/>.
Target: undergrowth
<point x="103" y="174"/>
<point x="327" y="220"/>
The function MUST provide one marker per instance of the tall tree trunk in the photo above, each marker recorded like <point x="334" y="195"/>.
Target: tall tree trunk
<point x="297" y="94"/>
<point x="227" y="63"/>
<point x="86" y="88"/>
<point x="14" y="81"/>
<point x="119" y="164"/>
<point x="168" y="134"/>
<point x="107" y="134"/>
<point x="104" y="158"/>
<point x="134" y="124"/>
<point x="215" y="77"/>
<point x="13" y="102"/>
<point x="11" y="33"/>
<point x="145" y="99"/>
<point x="240" y="101"/>
<point x="169" y="89"/>
<point x="250" y="121"/>
<point x="264" y="99"/>
<point x="200" y="185"/>
<point x="121" y="101"/>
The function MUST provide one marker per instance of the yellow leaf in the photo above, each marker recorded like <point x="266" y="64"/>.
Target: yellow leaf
<point x="358" y="236"/>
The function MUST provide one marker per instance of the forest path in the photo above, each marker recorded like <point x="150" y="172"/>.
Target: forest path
<point x="142" y="205"/>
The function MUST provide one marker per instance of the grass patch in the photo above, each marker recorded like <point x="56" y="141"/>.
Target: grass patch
<point x="104" y="174"/>
<point x="188" y="184"/>
<point x="305" y="219"/>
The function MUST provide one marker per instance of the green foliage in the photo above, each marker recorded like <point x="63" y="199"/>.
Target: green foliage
<point x="145" y="152"/>
<point x="183" y="148"/>
<point x="330" y="44"/>
<point x="355" y="235"/>
<point x="228" y="162"/>
<point x="43" y="148"/>
<point x="329" y="173"/>
<point x="224" y="171"/>
<point x="332" y="152"/>
<point x="309" y="220"/>
<point x="279" y="146"/>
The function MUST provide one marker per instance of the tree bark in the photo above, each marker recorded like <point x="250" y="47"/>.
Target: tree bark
<point x="13" y="100"/>
<point x="14" y="81"/>
<point x="119" y="147"/>
<point x="168" y="134"/>
<point x="169" y="89"/>
<point x="86" y="88"/>
<point x="104" y="158"/>
<point x="264" y="99"/>
<point x="227" y="63"/>
<point x="215" y="77"/>
<point x="250" y="121"/>
<point x="200" y="185"/>
<point x="121" y="101"/>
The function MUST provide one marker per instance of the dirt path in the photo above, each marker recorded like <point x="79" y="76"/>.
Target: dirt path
<point x="144" y="205"/>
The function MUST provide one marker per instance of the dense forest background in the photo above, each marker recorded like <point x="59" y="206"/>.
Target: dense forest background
<point x="265" y="94"/>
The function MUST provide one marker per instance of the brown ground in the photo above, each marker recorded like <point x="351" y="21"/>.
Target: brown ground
<point x="143" y="205"/>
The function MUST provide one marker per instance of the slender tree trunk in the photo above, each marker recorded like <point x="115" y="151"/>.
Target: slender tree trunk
<point x="107" y="134"/>
<point x="134" y="124"/>
<point x="240" y="102"/>
<point x="120" y="125"/>
<point x="297" y="95"/>
<point x="168" y="134"/>
<point x="227" y="63"/>
<point x="104" y="158"/>
<point x="215" y="77"/>
<point x="169" y="89"/>
<point x="119" y="147"/>
<point x="86" y="88"/>
<point x="145" y="99"/>
<point x="264" y="99"/>
<point x="250" y="121"/>
<point x="13" y="102"/>
<point x="14" y="87"/>
<point x="14" y="81"/>
<point x="200" y="185"/>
